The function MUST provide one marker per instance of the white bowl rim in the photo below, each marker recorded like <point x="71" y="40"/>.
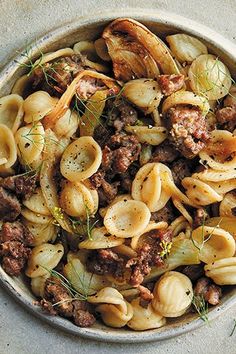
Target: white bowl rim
<point x="185" y="25"/>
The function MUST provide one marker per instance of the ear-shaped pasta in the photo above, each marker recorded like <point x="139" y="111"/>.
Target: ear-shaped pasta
<point x="225" y="222"/>
<point x="145" y="134"/>
<point x="43" y="259"/>
<point x="179" y="205"/>
<point x="81" y="159"/>
<point x="220" y="147"/>
<point x="36" y="217"/>
<point x="67" y="125"/>
<point x="89" y="55"/>
<point x="173" y="294"/>
<point x="223" y="271"/>
<point x="185" y="48"/>
<point x="209" y="77"/>
<point x="21" y="85"/>
<point x="101" y="49"/>
<point x="84" y="282"/>
<point x="199" y="192"/>
<point x="212" y="175"/>
<point x="179" y="225"/>
<point x="185" y="98"/>
<point x="224" y="186"/>
<point x="214" y="243"/>
<point x="145" y="318"/>
<point x="30" y="142"/>
<point x="8" y="152"/>
<point x="143" y="93"/>
<point x="38" y="285"/>
<point x="137" y="241"/>
<point x="100" y="238"/>
<point x="127" y="219"/>
<point x="118" y="198"/>
<point x="77" y="200"/>
<point x="42" y="233"/>
<point x="37" y="203"/>
<point x="115" y="311"/>
<point x="228" y="204"/>
<point x="37" y="105"/>
<point x="11" y="111"/>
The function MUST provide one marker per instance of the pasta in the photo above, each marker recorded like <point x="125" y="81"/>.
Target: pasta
<point x="118" y="178"/>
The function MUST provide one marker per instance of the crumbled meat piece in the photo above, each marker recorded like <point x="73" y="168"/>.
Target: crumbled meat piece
<point x="47" y="306"/>
<point x="120" y="113"/>
<point x="105" y="261"/>
<point x="180" y="169"/>
<point x="165" y="153"/>
<point x="199" y="217"/>
<point x="109" y="190"/>
<point x="188" y="129"/>
<point x="226" y="116"/>
<point x="210" y="292"/>
<point x="81" y="314"/>
<point x="97" y="178"/>
<point x="170" y="83"/>
<point x="106" y="191"/>
<point x="9" y="205"/>
<point x="88" y="85"/>
<point x="145" y="293"/>
<point x="14" y="239"/>
<point x="193" y="272"/>
<point x="167" y="214"/>
<point x="23" y="185"/>
<point x="102" y="134"/>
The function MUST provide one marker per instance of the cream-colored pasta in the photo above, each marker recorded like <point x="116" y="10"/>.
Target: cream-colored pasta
<point x="224" y="186"/>
<point x="36" y="217"/>
<point x="185" y="98"/>
<point x="43" y="259"/>
<point x="179" y="205"/>
<point x="77" y="200"/>
<point x="11" y="111"/>
<point x="118" y="198"/>
<point x="8" y="152"/>
<point x="223" y="271"/>
<point x="37" y="203"/>
<point x="173" y="294"/>
<point x="42" y="233"/>
<point x="148" y="134"/>
<point x="30" y="142"/>
<point x="209" y="77"/>
<point x="89" y="55"/>
<point x="228" y="204"/>
<point x="101" y="49"/>
<point x="67" y="125"/>
<point x="81" y="159"/>
<point x="200" y="193"/>
<point x="143" y="93"/>
<point x="37" y="105"/>
<point x="214" y="243"/>
<point x="185" y="48"/>
<point x="179" y="225"/>
<point x="100" y="238"/>
<point x="225" y="222"/>
<point x="145" y="317"/>
<point x="127" y="219"/>
<point x="38" y="285"/>
<point x="212" y="175"/>
<point x="139" y="239"/>
<point x="114" y="309"/>
<point x="21" y="85"/>
<point x="221" y="146"/>
<point x="125" y="250"/>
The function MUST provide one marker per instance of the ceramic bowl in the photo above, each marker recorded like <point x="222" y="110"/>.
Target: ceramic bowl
<point x="89" y="28"/>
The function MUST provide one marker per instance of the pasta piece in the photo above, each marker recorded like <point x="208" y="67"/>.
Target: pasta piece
<point x="42" y="233"/>
<point x="81" y="159"/>
<point x="228" y="205"/>
<point x="185" y="48"/>
<point x="38" y="285"/>
<point x="143" y="93"/>
<point x="114" y="309"/>
<point x="224" y="186"/>
<point x="100" y="238"/>
<point x="223" y="271"/>
<point x="84" y="282"/>
<point x="118" y="198"/>
<point x="180" y="224"/>
<point x="209" y="77"/>
<point x="11" y="111"/>
<point x="179" y="205"/>
<point x="219" y="153"/>
<point x="145" y="154"/>
<point x="37" y="203"/>
<point x="21" y="85"/>
<point x="173" y="294"/>
<point x="67" y="125"/>
<point x="145" y="317"/>
<point x="199" y="192"/>
<point x="213" y="243"/>
<point x="37" y="105"/>
<point x="43" y="259"/>
<point x="127" y="219"/>
<point x="138" y="240"/>
<point x="8" y="152"/>
<point x="36" y="217"/>
<point x="125" y="250"/>
<point x="47" y="57"/>
<point x="30" y="142"/>
<point x="225" y="222"/>
<point x="89" y="55"/>
<point x="101" y="49"/>
<point x="185" y="98"/>
<point x="212" y="175"/>
<point x="148" y="134"/>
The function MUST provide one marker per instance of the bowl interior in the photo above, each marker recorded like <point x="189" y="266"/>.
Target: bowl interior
<point x="88" y="29"/>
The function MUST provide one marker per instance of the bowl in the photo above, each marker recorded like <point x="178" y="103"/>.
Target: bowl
<point x="89" y="28"/>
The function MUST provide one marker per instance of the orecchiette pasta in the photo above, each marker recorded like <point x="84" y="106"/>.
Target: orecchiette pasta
<point x="37" y="203"/>
<point x="42" y="233"/>
<point x="100" y="238"/>
<point x="228" y="204"/>
<point x="199" y="192"/>
<point x="38" y="284"/>
<point x="11" y="111"/>
<point x="67" y="125"/>
<point x="223" y="271"/>
<point x="148" y="134"/>
<point x="8" y="152"/>
<point x="37" y="105"/>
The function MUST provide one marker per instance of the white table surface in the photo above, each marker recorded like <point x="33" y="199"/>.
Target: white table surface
<point x="22" y="21"/>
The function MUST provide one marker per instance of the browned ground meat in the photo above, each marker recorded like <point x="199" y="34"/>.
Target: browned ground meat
<point x="194" y="272"/>
<point x="148" y="255"/>
<point x="226" y="116"/>
<point x="22" y="185"/>
<point x="210" y="292"/>
<point x="121" y="113"/>
<point x="105" y="261"/>
<point x="188" y="129"/>
<point x="167" y="214"/>
<point x="9" y="205"/>
<point x="106" y="191"/>
<point x="145" y="293"/>
<point x="199" y="217"/>
<point x="57" y="300"/>
<point x="170" y="83"/>
<point x="88" y="85"/>
<point x="180" y="169"/>
<point x="165" y="153"/>
<point x="14" y="251"/>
